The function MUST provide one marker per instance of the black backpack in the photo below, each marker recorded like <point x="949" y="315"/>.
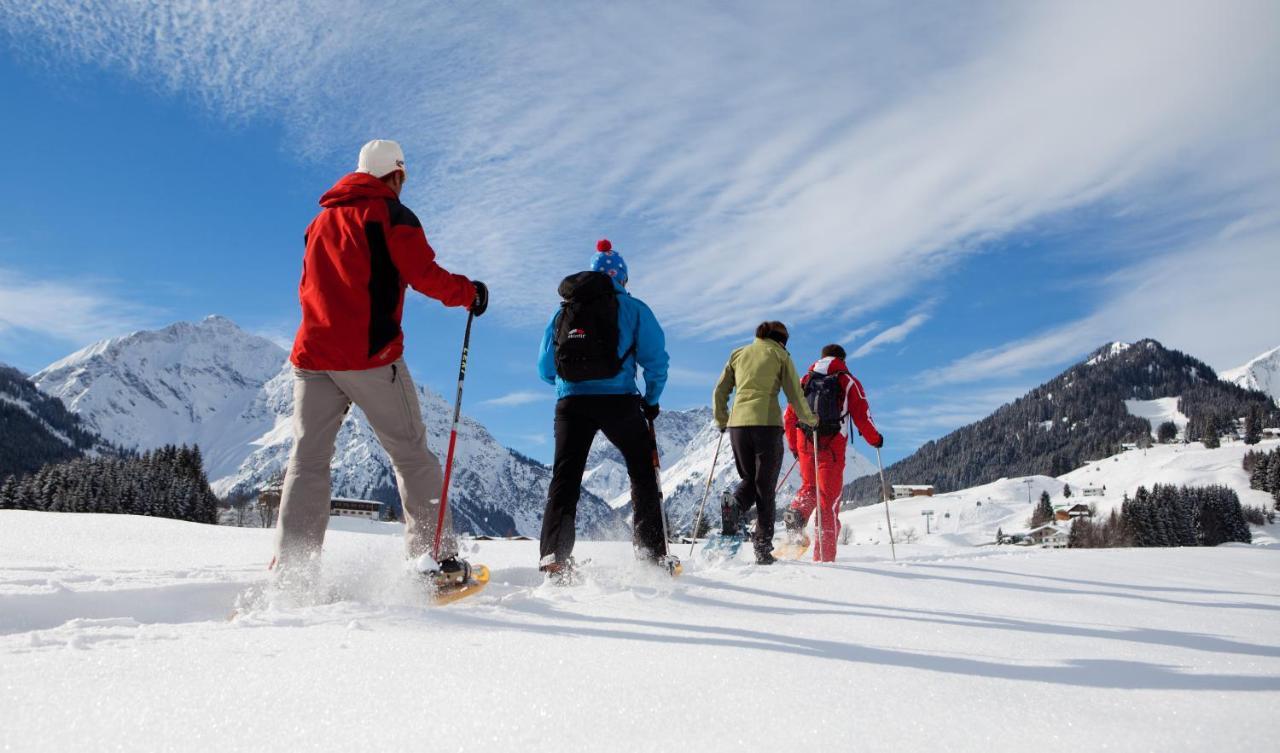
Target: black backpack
<point x="826" y="399"/>
<point x="587" y="329"/>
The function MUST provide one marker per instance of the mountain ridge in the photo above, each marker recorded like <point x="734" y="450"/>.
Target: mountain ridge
<point x="212" y="384"/>
<point x="1077" y="416"/>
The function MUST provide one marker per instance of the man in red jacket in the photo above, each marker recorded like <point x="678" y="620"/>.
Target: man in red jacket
<point x="829" y="376"/>
<point x="362" y="251"/>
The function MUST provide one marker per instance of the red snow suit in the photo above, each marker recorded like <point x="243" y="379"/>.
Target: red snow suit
<point x="362" y="250"/>
<point x="830" y="458"/>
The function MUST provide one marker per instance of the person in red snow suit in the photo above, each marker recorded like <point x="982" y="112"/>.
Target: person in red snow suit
<point x="362" y="251"/>
<point x="850" y="401"/>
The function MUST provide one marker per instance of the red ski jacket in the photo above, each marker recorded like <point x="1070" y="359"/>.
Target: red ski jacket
<point x="362" y="250"/>
<point x="856" y="406"/>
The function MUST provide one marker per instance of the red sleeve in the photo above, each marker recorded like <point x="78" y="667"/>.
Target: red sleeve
<point x="416" y="261"/>
<point x="791" y="427"/>
<point x="860" y="412"/>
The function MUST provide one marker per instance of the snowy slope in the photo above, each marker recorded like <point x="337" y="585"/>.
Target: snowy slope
<point x="230" y="392"/>
<point x="1262" y="373"/>
<point x="687" y="444"/>
<point x="127" y="647"/>
<point x="1157" y="412"/>
<point x="1004" y="503"/>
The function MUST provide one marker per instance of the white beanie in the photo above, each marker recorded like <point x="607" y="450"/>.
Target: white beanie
<point x="380" y="158"/>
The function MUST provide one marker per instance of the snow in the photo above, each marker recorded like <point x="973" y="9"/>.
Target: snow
<point x="1158" y="411"/>
<point x="1191" y="464"/>
<point x="1004" y="503"/>
<point x="1261" y="373"/>
<point x="1109" y="351"/>
<point x="114" y="635"/>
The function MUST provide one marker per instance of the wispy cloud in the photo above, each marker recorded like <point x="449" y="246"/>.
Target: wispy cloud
<point x="895" y="334"/>
<point x="1203" y="300"/>
<point x="878" y="144"/>
<point x="521" y="397"/>
<point x="71" y="311"/>
<point x="860" y="332"/>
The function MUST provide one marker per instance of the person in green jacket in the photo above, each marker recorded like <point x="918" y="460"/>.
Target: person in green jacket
<point x="755" y="373"/>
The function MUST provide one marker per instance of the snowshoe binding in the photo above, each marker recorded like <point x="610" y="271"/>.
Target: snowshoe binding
<point x="795" y="542"/>
<point x="453" y="578"/>
<point x="563" y="572"/>
<point x="725" y="545"/>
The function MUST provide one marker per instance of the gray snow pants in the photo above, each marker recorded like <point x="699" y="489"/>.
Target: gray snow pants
<point x="389" y="401"/>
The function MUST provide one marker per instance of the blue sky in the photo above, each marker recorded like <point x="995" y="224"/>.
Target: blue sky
<point x="969" y="198"/>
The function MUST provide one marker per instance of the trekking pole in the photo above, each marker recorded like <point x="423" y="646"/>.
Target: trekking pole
<point x="787" y="475"/>
<point x="884" y="492"/>
<point x="657" y="475"/>
<point x="693" y="540"/>
<point x="817" y="494"/>
<point x="453" y="441"/>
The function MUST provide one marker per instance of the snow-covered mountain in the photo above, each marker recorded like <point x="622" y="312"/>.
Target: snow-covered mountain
<point x="1262" y="374"/>
<point x="687" y="446"/>
<point x="187" y="383"/>
<point x="215" y="385"/>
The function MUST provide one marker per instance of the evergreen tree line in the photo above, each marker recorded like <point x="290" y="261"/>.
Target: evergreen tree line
<point x="1079" y="415"/>
<point x="36" y="429"/>
<point x="1168" y="516"/>
<point x="1264" y="472"/>
<point x="168" y="482"/>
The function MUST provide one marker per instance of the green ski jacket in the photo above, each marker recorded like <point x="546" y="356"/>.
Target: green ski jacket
<point x="757" y="372"/>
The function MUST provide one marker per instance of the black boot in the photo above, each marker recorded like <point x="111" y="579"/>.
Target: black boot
<point x="730" y="517"/>
<point x="765" y="557"/>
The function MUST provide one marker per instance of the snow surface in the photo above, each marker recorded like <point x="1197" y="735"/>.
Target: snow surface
<point x="1262" y="373"/>
<point x="1004" y="503"/>
<point x="114" y="636"/>
<point x="1158" y="411"/>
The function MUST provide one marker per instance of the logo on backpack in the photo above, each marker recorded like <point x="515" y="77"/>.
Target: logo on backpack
<point x="586" y="336"/>
<point x="826" y="399"/>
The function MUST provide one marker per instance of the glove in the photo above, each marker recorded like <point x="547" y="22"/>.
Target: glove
<point x="481" y="302"/>
<point x="651" y="411"/>
<point x="795" y="454"/>
<point x="807" y="429"/>
<point x="879" y="442"/>
<point x="721" y="428"/>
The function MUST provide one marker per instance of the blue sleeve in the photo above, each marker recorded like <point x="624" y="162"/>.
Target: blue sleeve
<point x="547" y="352"/>
<point x="651" y="354"/>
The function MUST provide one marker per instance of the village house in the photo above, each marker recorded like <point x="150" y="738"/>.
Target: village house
<point x="904" y="491"/>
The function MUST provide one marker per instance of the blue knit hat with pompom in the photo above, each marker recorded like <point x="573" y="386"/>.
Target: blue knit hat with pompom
<point x="609" y="261"/>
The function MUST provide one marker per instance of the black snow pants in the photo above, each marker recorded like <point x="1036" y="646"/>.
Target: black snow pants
<point x="578" y="418"/>
<point x="757" y="450"/>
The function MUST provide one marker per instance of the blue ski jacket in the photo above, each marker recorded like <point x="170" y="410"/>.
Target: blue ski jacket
<point x="636" y="324"/>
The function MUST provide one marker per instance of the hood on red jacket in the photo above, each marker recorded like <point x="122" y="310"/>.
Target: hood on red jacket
<point x="354" y="187"/>
<point x="828" y="365"/>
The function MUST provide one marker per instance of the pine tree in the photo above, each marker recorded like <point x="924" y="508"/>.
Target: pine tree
<point x="1043" y="512"/>
<point x="9" y="494"/>
<point x="1066" y="490"/>
<point x="1253" y="425"/>
<point x="1167" y="432"/>
<point x="1210" y="435"/>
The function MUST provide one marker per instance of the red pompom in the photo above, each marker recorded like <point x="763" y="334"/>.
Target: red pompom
<point x="603" y="245"/>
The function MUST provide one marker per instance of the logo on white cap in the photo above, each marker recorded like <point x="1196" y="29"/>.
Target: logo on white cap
<point x="380" y="158"/>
